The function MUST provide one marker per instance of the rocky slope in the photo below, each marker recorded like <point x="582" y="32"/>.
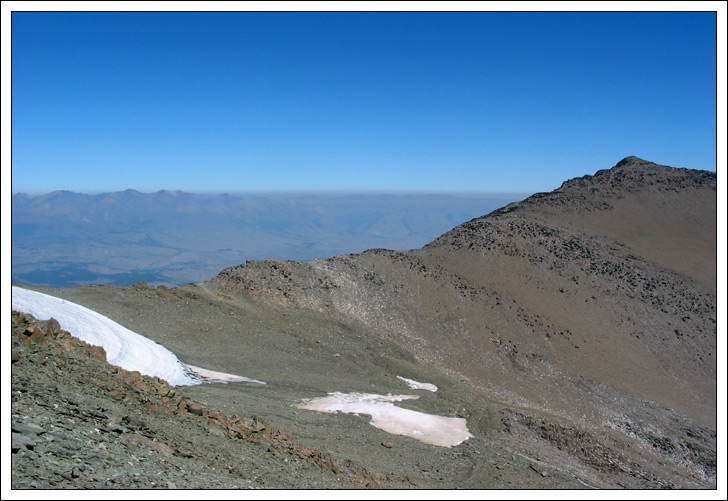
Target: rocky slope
<point x="78" y="422"/>
<point x="575" y="331"/>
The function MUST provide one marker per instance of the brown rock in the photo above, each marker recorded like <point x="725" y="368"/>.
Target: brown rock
<point x="132" y="377"/>
<point x="53" y="327"/>
<point x="158" y="446"/>
<point x="97" y="352"/>
<point x="37" y="334"/>
<point x="195" y="409"/>
<point x="116" y="394"/>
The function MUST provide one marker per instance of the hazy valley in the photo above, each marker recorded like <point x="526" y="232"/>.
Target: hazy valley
<point x="62" y="239"/>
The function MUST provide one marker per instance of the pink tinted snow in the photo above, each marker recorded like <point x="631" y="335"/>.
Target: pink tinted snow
<point x="433" y="430"/>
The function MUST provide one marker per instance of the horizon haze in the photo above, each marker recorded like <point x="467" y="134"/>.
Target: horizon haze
<point x="174" y="238"/>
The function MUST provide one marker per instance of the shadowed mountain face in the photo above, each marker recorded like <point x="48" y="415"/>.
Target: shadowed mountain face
<point x="575" y="331"/>
<point x="608" y="280"/>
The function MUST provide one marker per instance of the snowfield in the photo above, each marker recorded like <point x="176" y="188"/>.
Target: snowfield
<point x="124" y="348"/>
<point x="433" y="430"/>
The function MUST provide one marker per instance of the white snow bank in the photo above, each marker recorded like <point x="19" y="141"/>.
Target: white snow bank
<point x="220" y="377"/>
<point x="418" y="386"/>
<point x="125" y="348"/>
<point x="433" y="430"/>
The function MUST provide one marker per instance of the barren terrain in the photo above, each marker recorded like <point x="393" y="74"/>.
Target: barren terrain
<point x="575" y="332"/>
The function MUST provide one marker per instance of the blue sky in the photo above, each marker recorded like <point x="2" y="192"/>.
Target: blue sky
<point x="429" y="102"/>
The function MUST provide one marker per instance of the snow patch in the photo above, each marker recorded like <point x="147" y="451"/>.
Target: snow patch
<point x="124" y="348"/>
<point x="433" y="430"/>
<point x="220" y="377"/>
<point x="418" y="386"/>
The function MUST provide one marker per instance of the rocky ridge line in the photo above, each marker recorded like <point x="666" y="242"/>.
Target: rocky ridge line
<point x="629" y="175"/>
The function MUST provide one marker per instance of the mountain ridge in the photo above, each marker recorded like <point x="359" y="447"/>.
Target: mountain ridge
<point x="631" y="169"/>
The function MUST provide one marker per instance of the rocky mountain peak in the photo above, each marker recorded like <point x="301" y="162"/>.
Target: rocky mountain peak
<point x="633" y="161"/>
<point x="634" y="175"/>
<point x="628" y="188"/>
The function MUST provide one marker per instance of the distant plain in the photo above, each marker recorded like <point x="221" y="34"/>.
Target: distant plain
<point x="64" y="239"/>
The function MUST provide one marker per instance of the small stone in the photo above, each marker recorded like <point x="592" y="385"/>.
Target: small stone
<point x="28" y="428"/>
<point x="388" y="445"/>
<point x="62" y="451"/>
<point x="194" y="409"/>
<point x="31" y="329"/>
<point x="20" y="440"/>
<point x="63" y="474"/>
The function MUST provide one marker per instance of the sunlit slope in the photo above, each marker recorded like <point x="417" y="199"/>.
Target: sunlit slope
<point x="534" y="302"/>
<point x="611" y="277"/>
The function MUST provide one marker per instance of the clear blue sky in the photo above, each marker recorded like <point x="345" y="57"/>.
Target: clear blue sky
<point x="355" y="101"/>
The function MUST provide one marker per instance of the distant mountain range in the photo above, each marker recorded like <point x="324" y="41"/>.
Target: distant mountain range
<point x="62" y="239"/>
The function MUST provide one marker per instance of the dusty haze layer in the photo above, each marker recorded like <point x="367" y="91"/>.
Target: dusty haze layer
<point x="174" y="238"/>
<point x="575" y="332"/>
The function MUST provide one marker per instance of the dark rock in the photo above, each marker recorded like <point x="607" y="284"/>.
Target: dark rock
<point x="23" y="440"/>
<point x="62" y="451"/>
<point x="63" y="474"/>
<point x="27" y="428"/>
